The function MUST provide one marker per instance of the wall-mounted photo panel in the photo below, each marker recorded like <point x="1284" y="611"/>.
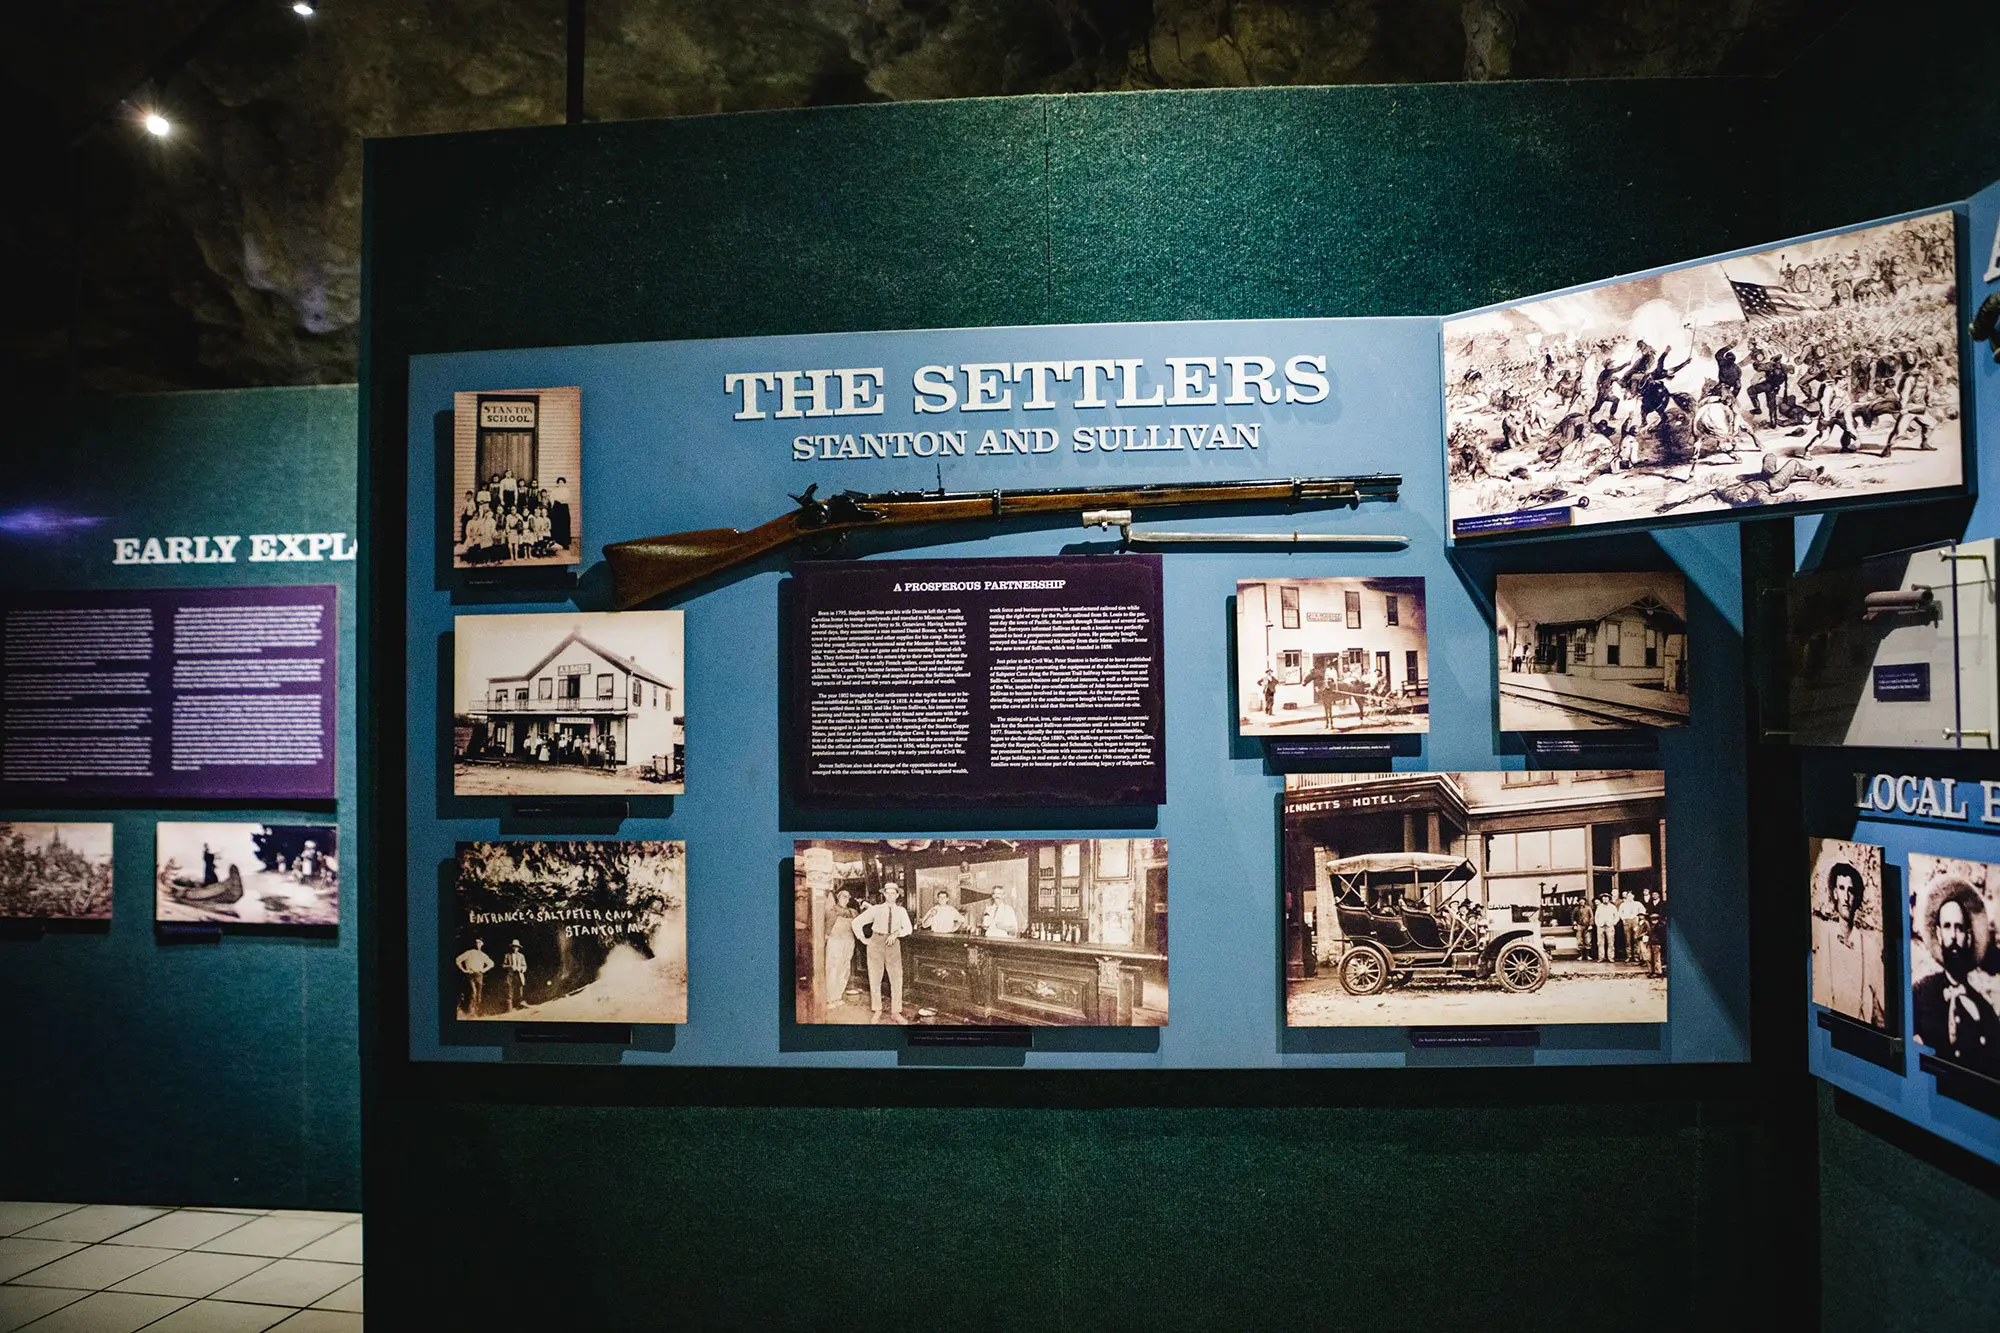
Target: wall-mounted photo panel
<point x="517" y="467"/>
<point x="573" y="704"/>
<point x="1849" y="945"/>
<point x="978" y="931"/>
<point x="55" y="871"/>
<point x="247" y="874"/>
<point x="1591" y="652"/>
<point x="1331" y="657"/>
<point x="1954" y="961"/>
<point x="1901" y="650"/>
<point x="1816" y="371"/>
<point x="1450" y="899"/>
<point x="571" y="932"/>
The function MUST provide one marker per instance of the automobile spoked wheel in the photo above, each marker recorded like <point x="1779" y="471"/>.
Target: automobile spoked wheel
<point x="1363" y="972"/>
<point x="1521" y="967"/>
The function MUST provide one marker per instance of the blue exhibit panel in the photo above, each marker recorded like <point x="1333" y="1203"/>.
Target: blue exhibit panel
<point x="1912" y="1092"/>
<point x="664" y="452"/>
<point x="1909" y="1092"/>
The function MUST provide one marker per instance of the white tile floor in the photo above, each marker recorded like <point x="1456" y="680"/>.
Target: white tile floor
<point x="103" y="1268"/>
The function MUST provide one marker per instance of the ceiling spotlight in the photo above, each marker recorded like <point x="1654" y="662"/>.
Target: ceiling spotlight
<point x="303" y="10"/>
<point x="157" y="125"/>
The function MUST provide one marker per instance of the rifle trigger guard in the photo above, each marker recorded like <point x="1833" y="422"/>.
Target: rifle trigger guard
<point x="821" y="544"/>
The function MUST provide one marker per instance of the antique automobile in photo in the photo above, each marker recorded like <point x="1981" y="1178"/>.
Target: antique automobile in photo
<point x="1409" y="916"/>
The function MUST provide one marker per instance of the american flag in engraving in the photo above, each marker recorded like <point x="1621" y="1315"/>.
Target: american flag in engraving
<point x="1761" y="303"/>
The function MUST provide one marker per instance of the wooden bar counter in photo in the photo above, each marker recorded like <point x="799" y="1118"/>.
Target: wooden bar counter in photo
<point x="1037" y="982"/>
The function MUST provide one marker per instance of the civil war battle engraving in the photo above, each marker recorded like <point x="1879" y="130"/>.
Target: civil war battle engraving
<point x="1816" y="370"/>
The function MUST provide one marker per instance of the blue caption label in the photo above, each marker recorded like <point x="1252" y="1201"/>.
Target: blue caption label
<point x="1555" y="516"/>
<point x="1908" y="682"/>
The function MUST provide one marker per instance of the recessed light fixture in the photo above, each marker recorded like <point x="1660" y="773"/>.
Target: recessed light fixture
<point x="303" y="10"/>
<point x="157" y="125"/>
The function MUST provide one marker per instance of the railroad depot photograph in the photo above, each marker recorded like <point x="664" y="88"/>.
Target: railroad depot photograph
<point x="1814" y="370"/>
<point x="1849" y="947"/>
<point x="1955" y="960"/>
<point x="1328" y="657"/>
<point x="247" y="874"/>
<point x="55" y="871"/>
<point x="1454" y="899"/>
<point x="1068" y="932"/>
<point x="572" y="704"/>
<point x="571" y="932"/>
<point x="517" y="459"/>
<point x="1591" y="652"/>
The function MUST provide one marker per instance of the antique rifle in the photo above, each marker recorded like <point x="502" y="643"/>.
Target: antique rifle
<point x="650" y="566"/>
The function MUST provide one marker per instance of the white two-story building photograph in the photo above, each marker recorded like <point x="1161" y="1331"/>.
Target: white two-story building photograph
<point x="569" y="705"/>
<point x="1327" y="657"/>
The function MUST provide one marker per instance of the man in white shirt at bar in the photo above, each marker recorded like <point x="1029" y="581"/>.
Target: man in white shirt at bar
<point x="943" y="918"/>
<point x="1001" y="921"/>
<point x="881" y="928"/>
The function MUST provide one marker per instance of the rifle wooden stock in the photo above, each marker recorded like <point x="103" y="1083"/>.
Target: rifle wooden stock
<point x="646" y="568"/>
<point x="650" y="567"/>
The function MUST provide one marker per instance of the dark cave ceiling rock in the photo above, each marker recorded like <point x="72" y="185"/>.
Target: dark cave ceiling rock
<point x="231" y="254"/>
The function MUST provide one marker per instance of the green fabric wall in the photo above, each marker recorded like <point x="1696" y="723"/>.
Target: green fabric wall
<point x="553" y="1197"/>
<point x="1905" y="1241"/>
<point x="1909" y="1225"/>
<point x="139" y="1072"/>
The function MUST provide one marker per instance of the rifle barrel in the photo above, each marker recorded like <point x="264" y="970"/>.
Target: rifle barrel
<point x="648" y="567"/>
<point x="1295" y="490"/>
